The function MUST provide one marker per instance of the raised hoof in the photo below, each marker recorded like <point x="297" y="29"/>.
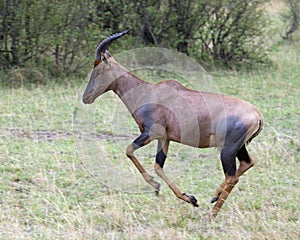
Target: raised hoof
<point x="193" y="201"/>
<point x="157" y="189"/>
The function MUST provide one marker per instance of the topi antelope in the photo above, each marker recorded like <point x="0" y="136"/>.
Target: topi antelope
<point x="167" y="111"/>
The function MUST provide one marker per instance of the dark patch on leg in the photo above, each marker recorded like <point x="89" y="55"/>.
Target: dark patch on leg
<point x="160" y="155"/>
<point x="146" y="112"/>
<point x="160" y="159"/>
<point x="145" y="116"/>
<point x="245" y="160"/>
<point x="243" y="155"/>
<point x="141" y="140"/>
<point x="233" y="132"/>
<point x="228" y="161"/>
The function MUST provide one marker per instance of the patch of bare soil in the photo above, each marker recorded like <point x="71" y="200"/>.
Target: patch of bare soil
<point x="42" y="135"/>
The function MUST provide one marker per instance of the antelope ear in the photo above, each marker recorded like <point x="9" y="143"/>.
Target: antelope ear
<point x="107" y="54"/>
<point x="104" y="58"/>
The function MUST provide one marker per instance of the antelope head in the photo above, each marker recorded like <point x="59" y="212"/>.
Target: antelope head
<point x="102" y="75"/>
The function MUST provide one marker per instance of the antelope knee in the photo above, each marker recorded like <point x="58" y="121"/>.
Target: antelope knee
<point x="129" y="151"/>
<point x="232" y="180"/>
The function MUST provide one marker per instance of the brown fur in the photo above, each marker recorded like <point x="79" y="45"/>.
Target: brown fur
<point x="175" y="113"/>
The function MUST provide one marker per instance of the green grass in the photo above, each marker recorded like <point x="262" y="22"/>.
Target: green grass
<point x="46" y="192"/>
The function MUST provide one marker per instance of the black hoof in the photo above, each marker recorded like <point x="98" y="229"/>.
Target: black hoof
<point x="214" y="199"/>
<point x="193" y="201"/>
<point x="156" y="192"/>
<point x="157" y="189"/>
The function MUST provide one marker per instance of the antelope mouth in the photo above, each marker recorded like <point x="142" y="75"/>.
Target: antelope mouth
<point x="87" y="99"/>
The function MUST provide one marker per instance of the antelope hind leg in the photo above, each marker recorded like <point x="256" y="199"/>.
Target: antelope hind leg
<point x="231" y="181"/>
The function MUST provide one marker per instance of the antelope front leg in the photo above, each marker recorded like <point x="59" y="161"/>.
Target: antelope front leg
<point x="218" y="192"/>
<point x="141" y="141"/>
<point x="162" y="150"/>
<point x="183" y="196"/>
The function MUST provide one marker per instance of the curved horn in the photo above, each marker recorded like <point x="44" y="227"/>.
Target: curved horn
<point x="105" y="43"/>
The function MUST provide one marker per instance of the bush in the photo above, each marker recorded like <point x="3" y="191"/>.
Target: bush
<point x="225" y="31"/>
<point x="35" y="29"/>
<point x="229" y="32"/>
<point x="292" y="18"/>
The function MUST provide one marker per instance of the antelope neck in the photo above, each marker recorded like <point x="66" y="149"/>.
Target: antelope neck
<point x="127" y="83"/>
<point x="129" y="88"/>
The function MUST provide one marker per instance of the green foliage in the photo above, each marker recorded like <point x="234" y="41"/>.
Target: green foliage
<point x="66" y="33"/>
<point x="232" y="32"/>
<point x="33" y="30"/>
<point x="292" y="18"/>
<point x="228" y="32"/>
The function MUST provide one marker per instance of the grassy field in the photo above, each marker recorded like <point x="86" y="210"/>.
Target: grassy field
<point x="47" y="193"/>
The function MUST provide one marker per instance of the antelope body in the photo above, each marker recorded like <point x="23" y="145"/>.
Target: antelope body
<point x="167" y="111"/>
